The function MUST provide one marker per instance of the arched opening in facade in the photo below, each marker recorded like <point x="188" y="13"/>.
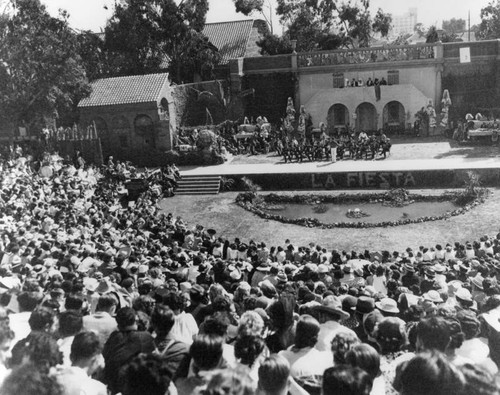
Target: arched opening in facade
<point x="144" y="127"/>
<point x="121" y="131"/>
<point x="366" y="117"/>
<point x="394" y="116"/>
<point x="338" y="118"/>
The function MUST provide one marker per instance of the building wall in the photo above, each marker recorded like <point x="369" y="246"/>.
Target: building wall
<point x="423" y="78"/>
<point x="137" y="146"/>
<point x="258" y="30"/>
<point x="320" y="103"/>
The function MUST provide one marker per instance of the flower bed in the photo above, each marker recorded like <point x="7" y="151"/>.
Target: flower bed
<point x="258" y="204"/>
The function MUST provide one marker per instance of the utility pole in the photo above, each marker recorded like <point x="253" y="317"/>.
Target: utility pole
<point x="469" y="25"/>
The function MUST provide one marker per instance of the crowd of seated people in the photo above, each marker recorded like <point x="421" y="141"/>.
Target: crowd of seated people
<point x="99" y="298"/>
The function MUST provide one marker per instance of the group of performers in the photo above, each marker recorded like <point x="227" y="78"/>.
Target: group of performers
<point x="338" y="146"/>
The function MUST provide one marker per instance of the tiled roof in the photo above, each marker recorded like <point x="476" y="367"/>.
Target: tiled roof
<point x="123" y="90"/>
<point x="230" y="38"/>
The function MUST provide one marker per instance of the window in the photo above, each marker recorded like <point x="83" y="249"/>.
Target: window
<point x="338" y="80"/>
<point x="123" y="140"/>
<point x="121" y="128"/>
<point x="393" y="77"/>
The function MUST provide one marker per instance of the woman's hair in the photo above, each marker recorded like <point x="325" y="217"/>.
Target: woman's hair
<point x="247" y="349"/>
<point x="281" y="312"/>
<point x="390" y="335"/>
<point x="341" y="343"/>
<point x="146" y="374"/>
<point x="433" y="333"/>
<point x="457" y="337"/>
<point x="28" y="380"/>
<point x="306" y="332"/>
<point x="40" y="348"/>
<point x="469" y="323"/>
<point x="274" y="372"/>
<point x="229" y="382"/>
<point x="478" y="381"/>
<point x="144" y="303"/>
<point x="251" y="323"/>
<point x="206" y="351"/>
<point x="174" y="301"/>
<point x="41" y="319"/>
<point x="346" y="380"/>
<point x="429" y="373"/>
<point x="162" y="319"/>
<point x="70" y="323"/>
<point x="365" y="357"/>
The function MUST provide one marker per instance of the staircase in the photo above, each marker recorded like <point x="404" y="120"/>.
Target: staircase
<point x="198" y="185"/>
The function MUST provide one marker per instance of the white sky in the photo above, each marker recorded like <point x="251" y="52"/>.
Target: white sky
<point x="91" y="15"/>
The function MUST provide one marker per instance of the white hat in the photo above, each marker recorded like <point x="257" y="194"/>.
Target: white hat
<point x="387" y="305"/>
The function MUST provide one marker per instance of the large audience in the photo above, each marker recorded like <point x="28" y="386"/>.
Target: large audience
<point x="98" y="296"/>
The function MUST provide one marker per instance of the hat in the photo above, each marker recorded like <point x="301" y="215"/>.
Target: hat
<point x="433" y="296"/>
<point x="463" y="294"/>
<point x="322" y="268"/>
<point x="235" y="274"/>
<point x="349" y="303"/>
<point x="90" y="283"/>
<point x="263" y="267"/>
<point x="185" y="286"/>
<point x="430" y="272"/>
<point x="387" y="305"/>
<point x="281" y="277"/>
<point x="347" y="269"/>
<point x="365" y="305"/>
<point x="103" y="287"/>
<point x="267" y="287"/>
<point x="143" y="269"/>
<point x="454" y="286"/>
<point x="438" y="268"/>
<point x="332" y="305"/>
<point x="478" y="281"/>
<point x="409" y="267"/>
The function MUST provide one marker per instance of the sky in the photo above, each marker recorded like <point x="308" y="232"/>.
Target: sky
<point x="91" y="14"/>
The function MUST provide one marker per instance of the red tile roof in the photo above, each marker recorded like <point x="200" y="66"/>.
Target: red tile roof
<point x="123" y="90"/>
<point x="230" y="38"/>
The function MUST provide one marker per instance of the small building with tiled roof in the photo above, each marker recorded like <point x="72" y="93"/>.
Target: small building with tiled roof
<point x="131" y="114"/>
<point x="236" y="39"/>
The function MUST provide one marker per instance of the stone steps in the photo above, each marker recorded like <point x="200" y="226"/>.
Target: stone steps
<point x="198" y="185"/>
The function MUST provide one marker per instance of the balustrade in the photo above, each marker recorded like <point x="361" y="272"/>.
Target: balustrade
<point x="368" y="55"/>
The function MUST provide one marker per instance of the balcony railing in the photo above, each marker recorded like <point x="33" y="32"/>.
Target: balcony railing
<point x="368" y="55"/>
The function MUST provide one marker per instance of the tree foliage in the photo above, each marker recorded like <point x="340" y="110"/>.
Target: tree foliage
<point x="454" y="26"/>
<point x="246" y="7"/>
<point x="144" y="36"/>
<point x="489" y="28"/>
<point x="327" y="24"/>
<point x="41" y="76"/>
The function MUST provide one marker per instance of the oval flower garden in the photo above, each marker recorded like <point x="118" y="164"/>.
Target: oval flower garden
<point x="367" y="210"/>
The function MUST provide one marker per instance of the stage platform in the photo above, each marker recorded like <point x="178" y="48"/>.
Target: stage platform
<point x="356" y="174"/>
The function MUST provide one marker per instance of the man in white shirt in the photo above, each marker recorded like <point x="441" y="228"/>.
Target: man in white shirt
<point x="330" y="313"/>
<point x="102" y="321"/>
<point x="86" y="358"/>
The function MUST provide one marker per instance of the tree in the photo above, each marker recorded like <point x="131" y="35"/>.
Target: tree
<point x="489" y="28"/>
<point x="94" y="57"/>
<point x="144" y="35"/>
<point x="454" y="26"/>
<point x="41" y="76"/>
<point x="325" y="24"/>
